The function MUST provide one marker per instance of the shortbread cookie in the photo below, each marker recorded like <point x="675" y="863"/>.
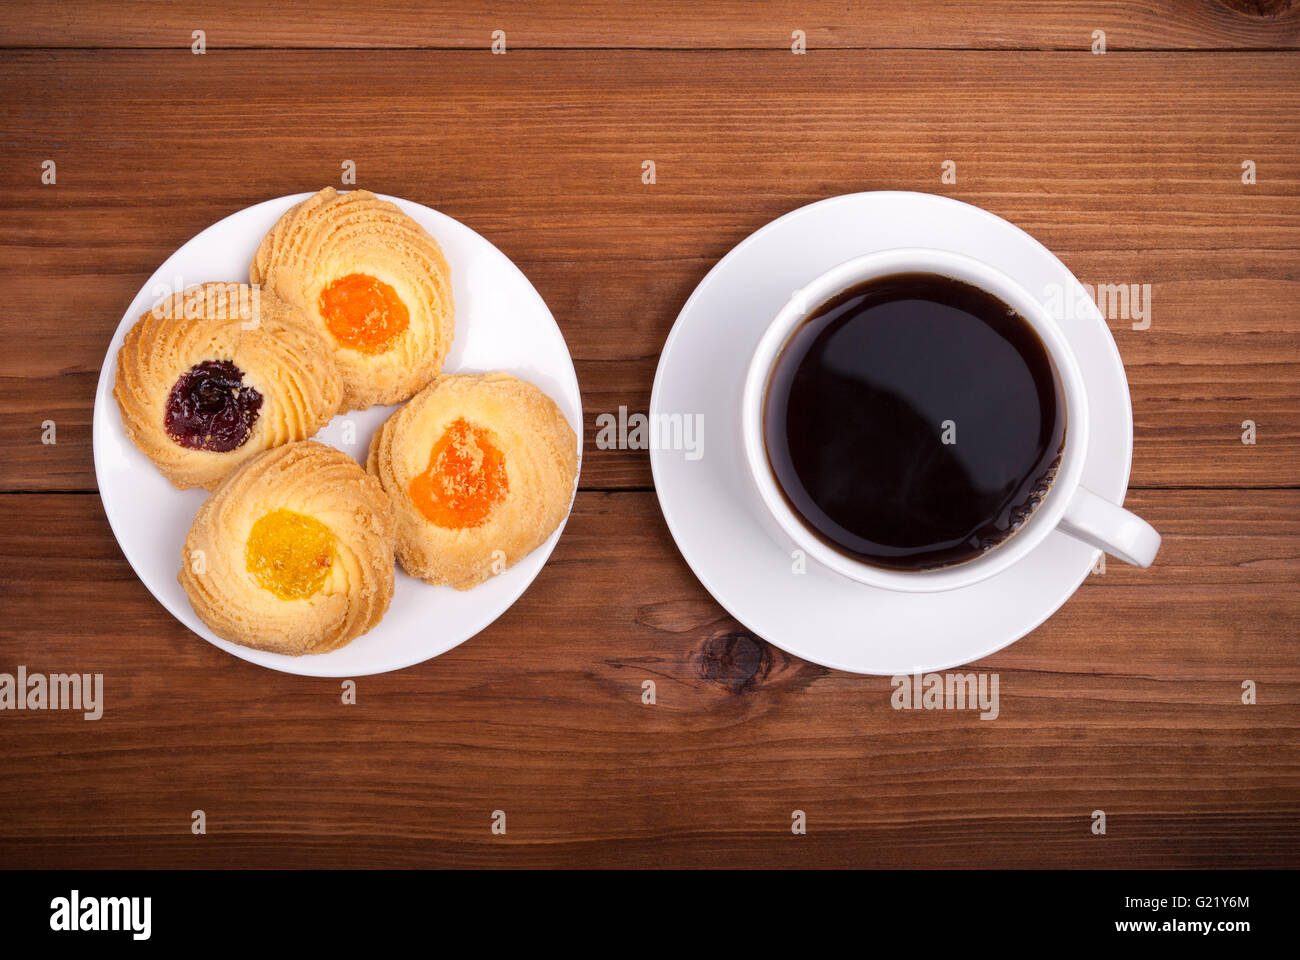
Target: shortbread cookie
<point x="372" y="281"/>
<point x="214" y="375"/>
<point x="293" y="553"/>
<point x="481" y="471"/>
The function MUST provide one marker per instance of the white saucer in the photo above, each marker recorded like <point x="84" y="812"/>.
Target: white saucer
<point x="716" y="519"/>
<point x="502" y="323"/>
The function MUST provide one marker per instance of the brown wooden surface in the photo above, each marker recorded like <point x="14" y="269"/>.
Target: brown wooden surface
<point x="1126" y="165"/>
<point x="720" y="24"/>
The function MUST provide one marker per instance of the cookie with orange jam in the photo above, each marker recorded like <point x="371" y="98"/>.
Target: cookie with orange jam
<point x="293" y="553"/>
<point x="372" y="281"/>
<point x="217" y="373"/>
<point x="480" y="469"/>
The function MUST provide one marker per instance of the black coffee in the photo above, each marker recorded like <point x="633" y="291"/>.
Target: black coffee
<point x="914" y="421"/>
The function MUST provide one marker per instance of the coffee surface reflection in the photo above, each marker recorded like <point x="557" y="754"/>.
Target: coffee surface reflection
<point x="914" y="421"/>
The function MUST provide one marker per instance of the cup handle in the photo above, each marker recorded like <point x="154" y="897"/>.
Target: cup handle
<point x="1097" y="521"/>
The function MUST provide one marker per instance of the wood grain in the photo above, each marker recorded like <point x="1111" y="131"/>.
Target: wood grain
<point x="1128" y="700"/>
<point x="1127" y="166"/>
<point x="980" y="24"/>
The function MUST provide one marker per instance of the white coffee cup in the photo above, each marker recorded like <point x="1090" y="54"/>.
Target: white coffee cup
<point x="1068" y="506"/>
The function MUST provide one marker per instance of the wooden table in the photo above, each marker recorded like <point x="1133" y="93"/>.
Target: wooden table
<point x="1127" y="164"/>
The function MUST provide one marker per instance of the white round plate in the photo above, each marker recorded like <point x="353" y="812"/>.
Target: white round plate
<point x="716" y="518"/>
<point x="502" y="323"/>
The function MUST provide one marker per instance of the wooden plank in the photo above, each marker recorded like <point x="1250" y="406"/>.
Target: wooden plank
<point x="1127" y="166"/>
<point x="1128" y="700"/>
<point x="992" y="24"/>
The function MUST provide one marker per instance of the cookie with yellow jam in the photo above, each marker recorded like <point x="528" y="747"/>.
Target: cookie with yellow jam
<point x="372" y="281"/>
<point x="293" y="552"/>
<point x="217" y="373"/>
<point x="481" y="471"/>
